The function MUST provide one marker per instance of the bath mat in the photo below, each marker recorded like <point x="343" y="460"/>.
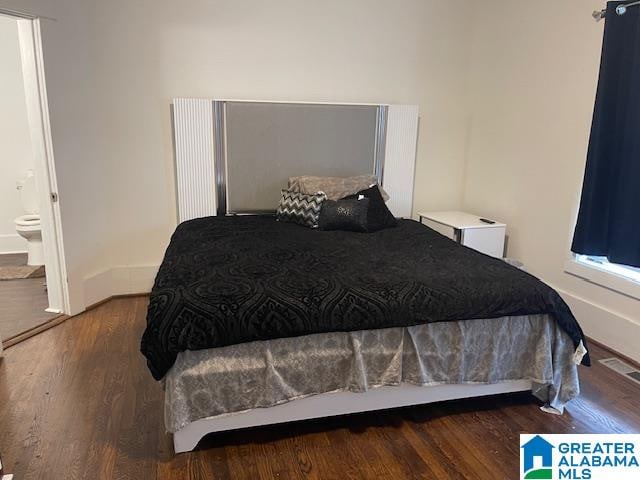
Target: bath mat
<point x="14" y="272"/>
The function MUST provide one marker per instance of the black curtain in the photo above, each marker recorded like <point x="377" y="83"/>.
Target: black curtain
<point x="609" y="216"/>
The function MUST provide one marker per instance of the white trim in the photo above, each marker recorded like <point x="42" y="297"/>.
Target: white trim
<point x="339" y="403"/>
<point x="400" y="158"/>
<point x="8" y="12"/>
<point x="119" y="280"/>
<point x="12" y="243"/>
<point x="195" y="170"/>
<point x="40" y="128"/>
<point x="299" y="102"/>
<point x="605" y="326"/>
<point x="600" y="276"/>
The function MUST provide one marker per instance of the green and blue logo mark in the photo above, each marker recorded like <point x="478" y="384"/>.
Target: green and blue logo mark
<point x="537" y="456"/>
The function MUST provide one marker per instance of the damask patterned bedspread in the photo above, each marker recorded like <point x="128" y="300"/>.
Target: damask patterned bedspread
<point x="230" y="280"/>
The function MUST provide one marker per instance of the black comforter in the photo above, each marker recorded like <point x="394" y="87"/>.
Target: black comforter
<point x="228" y="280"/>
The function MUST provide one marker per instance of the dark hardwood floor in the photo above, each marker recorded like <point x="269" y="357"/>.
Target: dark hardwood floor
<point x="22" y="302"/>
<point x="77" y="402"/>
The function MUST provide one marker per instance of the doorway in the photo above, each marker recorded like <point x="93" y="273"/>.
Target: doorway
<point x="33" y="287"/>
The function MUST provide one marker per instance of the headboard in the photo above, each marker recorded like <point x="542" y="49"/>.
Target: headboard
<point x="235" y="156"/>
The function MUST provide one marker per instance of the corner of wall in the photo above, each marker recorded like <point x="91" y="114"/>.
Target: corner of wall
<point x="119" y="280"/>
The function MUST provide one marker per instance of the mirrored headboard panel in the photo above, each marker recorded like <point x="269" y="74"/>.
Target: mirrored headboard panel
<point x="266" y="143"/>
<point x="235" y="156"/>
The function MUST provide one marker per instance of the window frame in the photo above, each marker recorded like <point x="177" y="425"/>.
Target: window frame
<point x="580" y="266"/>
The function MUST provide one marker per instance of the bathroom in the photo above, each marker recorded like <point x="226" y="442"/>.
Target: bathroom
<point x="23" y="291"/>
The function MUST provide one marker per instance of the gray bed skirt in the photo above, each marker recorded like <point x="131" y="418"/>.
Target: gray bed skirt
<point x="220" y="381"/>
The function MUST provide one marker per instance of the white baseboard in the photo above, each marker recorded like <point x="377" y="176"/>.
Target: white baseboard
<point x="121" y="280"/>
<point x="12" y="243"/>
<point x="616" y="331"/>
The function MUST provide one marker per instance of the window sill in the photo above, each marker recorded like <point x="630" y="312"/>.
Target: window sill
<point x="600" y="276"/>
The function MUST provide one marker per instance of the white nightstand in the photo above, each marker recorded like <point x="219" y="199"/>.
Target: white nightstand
<point x="468" y="230"/>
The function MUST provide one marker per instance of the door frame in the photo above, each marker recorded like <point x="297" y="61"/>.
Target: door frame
<point x="31" y="53"/>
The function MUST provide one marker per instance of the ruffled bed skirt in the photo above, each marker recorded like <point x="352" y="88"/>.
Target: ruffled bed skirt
<point x="219" y="381"/>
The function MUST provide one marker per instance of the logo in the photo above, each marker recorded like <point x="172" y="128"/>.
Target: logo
<point x="580" y="457"/>
<point x="537" y="454"/>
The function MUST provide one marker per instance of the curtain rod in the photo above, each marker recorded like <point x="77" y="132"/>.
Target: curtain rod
<point x="620" y="10"/>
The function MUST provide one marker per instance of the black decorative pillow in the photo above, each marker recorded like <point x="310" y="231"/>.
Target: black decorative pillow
<point x="379" y="216"/>
<point x="300" y="208"/>
<point x="348" y="215"/>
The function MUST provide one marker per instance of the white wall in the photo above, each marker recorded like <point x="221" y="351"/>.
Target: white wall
<point x="113" y="67"/>
<point x="16" y="156"/>
<point x="412" y="51"/>
<point x="533" y="74"/>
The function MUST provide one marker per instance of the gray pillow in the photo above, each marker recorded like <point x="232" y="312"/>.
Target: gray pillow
<point x="301" y="208"/>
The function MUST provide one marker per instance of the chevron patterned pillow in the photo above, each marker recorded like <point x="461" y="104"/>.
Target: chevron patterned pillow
<point x="301" y="208"/>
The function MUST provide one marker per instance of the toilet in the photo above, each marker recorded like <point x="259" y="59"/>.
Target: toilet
<point x="28" y="225"/>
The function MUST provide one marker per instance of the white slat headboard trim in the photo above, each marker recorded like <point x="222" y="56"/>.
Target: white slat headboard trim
<point x="194" y="144"/>
<point x="400" y="158"/>
<point x="195" y="157"/>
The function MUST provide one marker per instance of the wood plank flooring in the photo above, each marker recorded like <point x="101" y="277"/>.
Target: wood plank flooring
<point x="22" y="302"/>
<point x="77" y="402"/>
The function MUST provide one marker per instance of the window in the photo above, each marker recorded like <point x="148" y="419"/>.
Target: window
<point x="607" y="224"/>
<point x="631" y="273"/>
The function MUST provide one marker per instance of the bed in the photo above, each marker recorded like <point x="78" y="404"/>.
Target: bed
<point x="253" y="322"/>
